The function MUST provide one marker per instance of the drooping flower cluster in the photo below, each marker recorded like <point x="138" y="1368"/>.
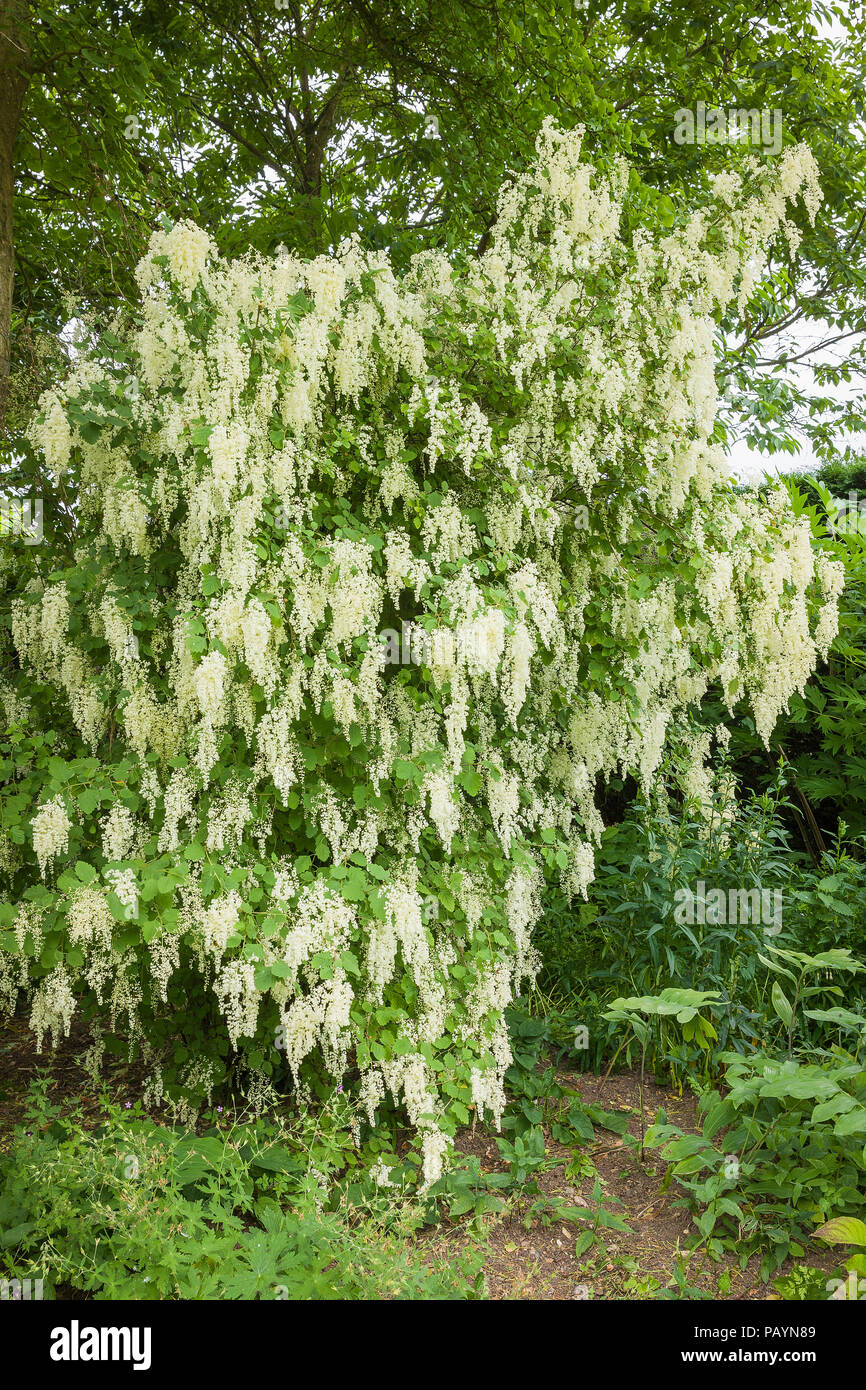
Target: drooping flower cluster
<point x="51" y="826"/>
<point x="510" y="464"/>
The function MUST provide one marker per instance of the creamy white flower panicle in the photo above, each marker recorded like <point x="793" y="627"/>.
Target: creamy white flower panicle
<point x="53" y="1007"/>
<point x="118" y="832"/>
<point x="52" y="434"/>
<point x="51" y="827"/>
<point x="187" y="248"/>
<point x="219" y="922"/>
<point x="89" y="917"/>
<point x="400" y="617"/>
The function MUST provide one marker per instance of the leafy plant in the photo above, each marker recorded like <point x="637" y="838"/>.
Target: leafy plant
<point x="681" y="1004"/>
<point x="799" y="968"/>
<point x="847" y="1230"/>
<point x="793" y="1149"/>
<point x="135" y="1210"/>
<point x="240" y="821"/>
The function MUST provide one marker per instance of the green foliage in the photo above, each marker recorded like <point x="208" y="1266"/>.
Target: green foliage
<point x="849" y="1282"/>
<point x="799" y="969"/>
<point x="843" y="1230"/>
<point x="804" y="1284"/>
<point x="516" y="1191"/>
<point x="335" y="853"/>
<point x="680" y="1004"/>
<point x="399" y="126"/>
<point x="135" y="1210"/>
<point x="783" y="1144"/>
<point x="627" y="938"/>
<point x="296" y="126"/>
<point x="635" y="940"/>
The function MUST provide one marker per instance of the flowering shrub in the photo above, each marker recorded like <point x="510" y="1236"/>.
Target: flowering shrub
<point x="255" y="833"/>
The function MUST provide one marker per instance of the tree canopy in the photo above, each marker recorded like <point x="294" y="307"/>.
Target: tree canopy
<point x="294" y="123"/>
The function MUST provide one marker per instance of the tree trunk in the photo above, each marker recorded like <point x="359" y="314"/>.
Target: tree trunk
<point x="14" y="57"/>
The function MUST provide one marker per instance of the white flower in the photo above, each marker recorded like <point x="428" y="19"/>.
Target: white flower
<point x="327" y="281"/>
<point x="51" y="827"/>
<point x="187" y="247"/>
<point x="209" y="680"/>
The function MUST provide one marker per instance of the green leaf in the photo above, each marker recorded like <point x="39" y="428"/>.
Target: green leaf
<point x="584" y="1242"/>
<point x="843" y="1230"/>
<point x="781" y="1005"/>
<point x="324" y="964"/>
<point x="853" y="1122"/>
